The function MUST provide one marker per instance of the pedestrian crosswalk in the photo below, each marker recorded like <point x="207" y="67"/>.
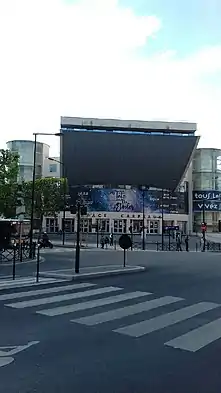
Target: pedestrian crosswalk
<point x="90" y="304"/>
<point x="22" y="282"/>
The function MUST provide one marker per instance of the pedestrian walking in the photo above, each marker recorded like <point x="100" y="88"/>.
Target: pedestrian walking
<point x="111" y="239"/>
<point x="178" y="243"/>
<point x="106" y="241"/>
<point x="102" y="241"/>
<point x="187" y="243"/>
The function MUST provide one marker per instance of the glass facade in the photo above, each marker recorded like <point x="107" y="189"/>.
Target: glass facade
<point x="25" y="149"/>
<point x="207" y="179"/>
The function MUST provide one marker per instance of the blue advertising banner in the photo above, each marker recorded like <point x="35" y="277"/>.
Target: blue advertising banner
<point x="129" y="200"/>
<point x="209" y="200"/>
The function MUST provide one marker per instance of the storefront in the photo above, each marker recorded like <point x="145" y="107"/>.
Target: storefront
<point x="121" y="210"/>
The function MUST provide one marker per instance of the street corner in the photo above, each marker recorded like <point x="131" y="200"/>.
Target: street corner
<point x="93" y="272"/>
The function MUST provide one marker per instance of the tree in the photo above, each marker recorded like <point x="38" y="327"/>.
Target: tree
<point x="9" y="188"/>
<point x="49" y="197"/>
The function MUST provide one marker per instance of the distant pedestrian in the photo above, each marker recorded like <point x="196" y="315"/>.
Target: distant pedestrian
<point x="102" y="241"/>
<point x="111" y="239"/>
<point x="187" y="243"/>
<point x="178" y="243"/>
<point x="106" y="241"/>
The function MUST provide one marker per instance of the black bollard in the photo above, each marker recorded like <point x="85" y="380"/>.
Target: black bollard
<point x="21" y="248"/>
<point x="38" y="265"/>
<point x="13" y="267"/>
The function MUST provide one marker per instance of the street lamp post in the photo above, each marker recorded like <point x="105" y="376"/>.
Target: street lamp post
<point x="204" y="232"/>
<point x="32" y="199"/>
<point x="143" y="217"/>
<point x="162" y="213"/>
<point x="33" y="187"/>
<point x="77" y="252"/>
<point x="64" y="199"/>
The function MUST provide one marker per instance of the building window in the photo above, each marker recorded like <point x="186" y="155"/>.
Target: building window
<point x="53" y="168"/>
<point x="51" y="225"/>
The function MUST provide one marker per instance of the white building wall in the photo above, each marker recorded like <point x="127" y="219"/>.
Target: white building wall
<point x="51" y="168"/>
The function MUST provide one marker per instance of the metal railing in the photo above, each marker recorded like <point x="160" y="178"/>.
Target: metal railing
<point x="18" y="253"/>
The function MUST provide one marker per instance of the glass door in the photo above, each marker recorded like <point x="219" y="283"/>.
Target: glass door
<point x="154" y="227"/>
<point x="120" y="226"/>
<point x="103" y="225"/>
<point x="86" y="225"/>
<point x="136" y="225"/>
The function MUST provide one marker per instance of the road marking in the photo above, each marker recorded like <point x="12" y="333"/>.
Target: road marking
<point x="17" y="349"/>
<point x="92" y="304"/>
<point x="5" y="361"/>
<point x="25" y="282"/>
<point x="62" y="298"/>
<point x="126" y="311"/>
<point x="18" y="295"/>
<point x="141" y="328"/>
<point x="198" y="338"/>
<point x="6" y="356"/>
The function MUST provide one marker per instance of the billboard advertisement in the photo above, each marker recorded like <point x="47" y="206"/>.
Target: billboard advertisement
<point x="207" y="200"/>
<point x="129" y="200"/>
<point x="127" y="158"/>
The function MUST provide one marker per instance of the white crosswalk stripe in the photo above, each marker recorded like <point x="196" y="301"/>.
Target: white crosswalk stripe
<point x="61" y="298"/>
<point x="74" y="299"/>
<point x="92" y="304"/>
<point x="26" y="282"/>
<point x="141" y="328"/>
<point x="198" y="338"/>
<point x="64" y="288"/>
<point x="126" y="311"/>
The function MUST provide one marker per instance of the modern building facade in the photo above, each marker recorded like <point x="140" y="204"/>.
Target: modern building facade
<point x="116" y="208"/>
<point x="207" y="189"/>
<point x="52" y="167"/>
<point x="25" y="149"/>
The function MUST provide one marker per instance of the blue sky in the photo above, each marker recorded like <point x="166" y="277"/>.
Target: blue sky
<point x="187" y="25"/>
<point x="130" y="59"/>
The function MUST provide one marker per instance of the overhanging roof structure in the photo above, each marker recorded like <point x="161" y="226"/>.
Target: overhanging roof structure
<point x="101" y="151"/>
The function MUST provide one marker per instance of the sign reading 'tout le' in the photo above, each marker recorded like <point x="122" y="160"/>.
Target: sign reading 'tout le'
<point x="208" y="195"/>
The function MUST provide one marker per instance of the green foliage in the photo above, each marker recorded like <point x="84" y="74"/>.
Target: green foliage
<point x="49" y="196"/>
<point x="9" y="168"/>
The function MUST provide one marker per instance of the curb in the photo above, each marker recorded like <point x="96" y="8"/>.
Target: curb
<point x="86" y="276"/>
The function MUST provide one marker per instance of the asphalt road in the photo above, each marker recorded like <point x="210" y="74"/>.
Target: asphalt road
<point x="121" y="351"/>
<point x="64" y="258"/>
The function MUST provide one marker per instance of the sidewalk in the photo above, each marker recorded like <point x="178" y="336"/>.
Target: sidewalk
<point x="213" y="237"/>
<point x="93" y="272"/>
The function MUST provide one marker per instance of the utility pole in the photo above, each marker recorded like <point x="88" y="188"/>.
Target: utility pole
<point x="162" y="213"/>
<point x="143" y="228"/>
<point x="204" y="231"/>
<point x="33" y="199"/>
<point x="77" y="253"/>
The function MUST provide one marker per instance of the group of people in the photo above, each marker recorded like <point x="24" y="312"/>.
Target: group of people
<point x="179" y="243"/>
<point x="107" y="240"/>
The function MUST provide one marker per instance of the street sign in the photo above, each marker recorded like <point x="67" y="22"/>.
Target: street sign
<point x="125" y="242"/>
<point x="171" y="228"/>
